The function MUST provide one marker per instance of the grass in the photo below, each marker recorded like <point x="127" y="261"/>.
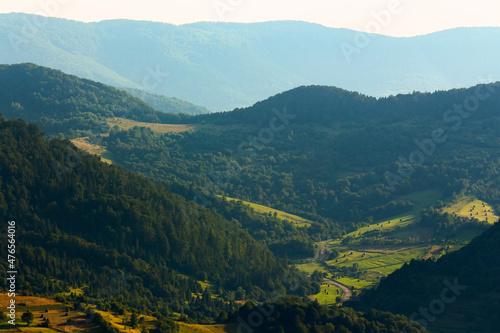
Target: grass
<point x="376" y="261"/>
<point x="86" y="145"/>
<point x="294" y="219"/>
<point x="31" y="301"/>
<point x="56" y="314"/>
<point x="126" y="124"/>
<point x="420" y="201"/>
<point x="328" y="297"/>
<point x="59" y="319"/>
<point x="117" y="321"/>
<point x="381" y="260"/>
<point x="470" y="205"/>
<point x="386" y="263"/>
<point x="309" y="268"/>
<point x="193" y="328"/>
<point x="205" y="284"/>
<point x="352" y="282"/>
<point x="75" y="291"/>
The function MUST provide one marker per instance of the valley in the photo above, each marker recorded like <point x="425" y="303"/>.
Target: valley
<point x="197" y="221"/>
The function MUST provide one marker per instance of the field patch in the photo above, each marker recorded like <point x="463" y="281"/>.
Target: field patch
<point x="473" y="208"/>
<point x="60" y="318"/>
<point x="126" y="124"/>
<point x="294" y="219"/>
<point x="310" y="267"/>
<point x="420" y="200"/>
<point x="91" y="148"/>
<point x="384" y="261"/>
<point x="193" y="328"/>
<point x="30" y="301"/>
<point x="328" y="294"/>
<point x="357" y="284"/>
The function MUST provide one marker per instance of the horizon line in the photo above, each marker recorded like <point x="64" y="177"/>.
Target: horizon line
<point x="253" y="22"/>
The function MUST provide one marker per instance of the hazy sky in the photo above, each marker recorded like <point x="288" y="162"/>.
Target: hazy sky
<point x="395" y="17"/>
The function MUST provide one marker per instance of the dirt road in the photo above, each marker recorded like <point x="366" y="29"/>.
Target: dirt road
<point x="346" y="290"/>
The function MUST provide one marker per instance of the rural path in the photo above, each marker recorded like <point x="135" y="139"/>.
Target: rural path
<point x="346" y="290"/>
<point x="321" y="254"/>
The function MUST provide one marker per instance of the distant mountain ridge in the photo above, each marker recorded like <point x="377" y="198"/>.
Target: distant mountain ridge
<point x="226" y="65"/>
<point x="167" y="104"/>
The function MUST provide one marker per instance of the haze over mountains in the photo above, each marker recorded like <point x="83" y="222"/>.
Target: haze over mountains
<point x="348" y="174"/>
<point x="224" y="65"/>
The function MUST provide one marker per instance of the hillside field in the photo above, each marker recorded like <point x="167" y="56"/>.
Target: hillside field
<point x="375" y="261"/>
<point x="472" y="207"/>
<point x="294" y="219"/>
<point x="126" y="124"/>
<point x="61" y="320"/>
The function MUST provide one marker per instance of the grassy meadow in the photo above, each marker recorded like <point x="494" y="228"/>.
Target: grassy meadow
<point x="294" y="219"/>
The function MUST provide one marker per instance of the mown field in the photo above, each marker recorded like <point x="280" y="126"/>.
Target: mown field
<point x="60" y="318"/>
<point x="64" y="318"/>
<point x="328" y="294"/>
<point x="420" y="200"/>
<point x="472" y="207"/>
<point x="294" y="219"/>
<point x="193" y="328"/>
<point x="91" y="148"/>
<point x="375" y="261"/>
<point x="126" y="124"/>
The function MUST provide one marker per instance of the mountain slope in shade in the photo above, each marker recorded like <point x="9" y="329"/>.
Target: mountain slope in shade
<point x="461" y="289"/>
<point x="80" y="221"/>
<point x="226" y="65"/>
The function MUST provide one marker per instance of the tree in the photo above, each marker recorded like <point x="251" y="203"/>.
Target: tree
<point x="134" y="320"/>
<point x="46" y="323"/>
<point x="28" y="317"/>
<point x="26" y="290"/>
<point x="223" y="317"/>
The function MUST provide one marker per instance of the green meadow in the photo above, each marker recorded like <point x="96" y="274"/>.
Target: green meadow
<point x="294" y="219"/>
<point x="472" y="207"/>
<point x="328" y="294"/>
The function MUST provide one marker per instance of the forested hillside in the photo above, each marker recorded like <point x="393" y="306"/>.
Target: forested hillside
<point x="340" y="159"/>
<point x="292" y="315"/>
<point x="83" y="223"/>
<point x="66" y="104"/>
<point x="323" y="152"/>
<point x="460" y="290"/>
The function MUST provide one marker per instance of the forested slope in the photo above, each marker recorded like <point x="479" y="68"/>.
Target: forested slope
<point x="460" y="289"/>
<point x="66" y="104"/>
<point x="80" y="222"/>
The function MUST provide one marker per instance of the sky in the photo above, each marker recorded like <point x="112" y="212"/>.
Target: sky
<point x="398" y="18"/>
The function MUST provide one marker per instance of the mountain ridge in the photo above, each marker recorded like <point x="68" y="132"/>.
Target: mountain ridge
<point x="214" y="64"/>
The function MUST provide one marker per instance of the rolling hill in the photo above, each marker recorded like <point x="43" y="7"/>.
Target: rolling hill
<point x="65" y="104"/>
<point x="331" y="158"/>
<point x="321" y="153"/>
<point x="121" y="237"/>
<point x="224" y="65"/>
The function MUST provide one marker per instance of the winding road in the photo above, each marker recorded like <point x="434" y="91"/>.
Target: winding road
<point x="346" y="290"/>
